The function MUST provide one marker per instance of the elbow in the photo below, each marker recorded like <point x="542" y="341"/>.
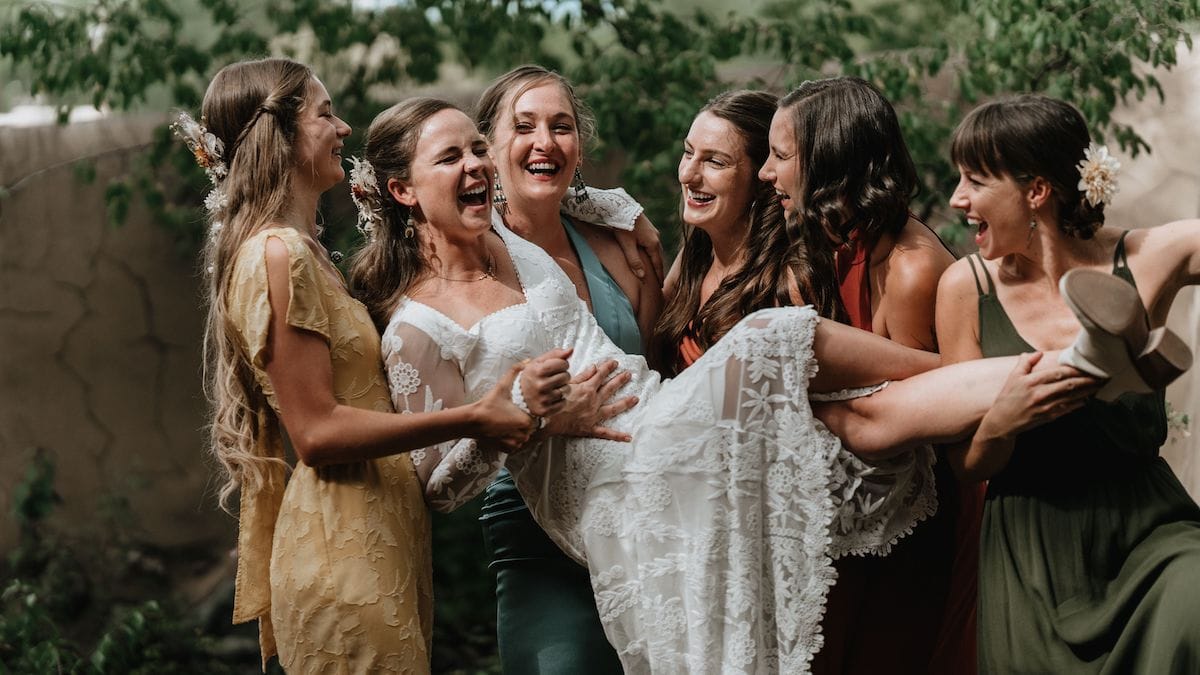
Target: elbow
<point x="854" y="423"/>
<point x="315" y="448"/>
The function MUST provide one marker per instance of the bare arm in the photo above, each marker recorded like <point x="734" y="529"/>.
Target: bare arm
<point x="1165" y="260"/>
<point x="324" y="431"/>
<point x="851" y="358"/>
<point x="948" y="403"/>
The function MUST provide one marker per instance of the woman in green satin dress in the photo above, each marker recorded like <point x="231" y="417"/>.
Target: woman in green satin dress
<point x="546" y="613"/>
<point x="1090" y="547"/>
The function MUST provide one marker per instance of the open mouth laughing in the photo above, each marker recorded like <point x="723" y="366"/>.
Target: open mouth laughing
<point x="475" y="195"/>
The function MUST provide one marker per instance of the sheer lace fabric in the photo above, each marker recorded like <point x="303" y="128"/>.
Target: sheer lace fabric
<point x="710" y="537"/>
<point x="336" y="565"/>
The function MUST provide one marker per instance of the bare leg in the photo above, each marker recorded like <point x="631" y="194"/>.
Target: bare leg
<point x="938" y="406"/>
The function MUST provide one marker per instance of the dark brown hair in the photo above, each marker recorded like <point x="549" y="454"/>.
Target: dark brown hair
<point x="773" y="247"/>
<point x="855" y="170"/>
<point x="1027" y="137"/>
<point x="388" y="264"/>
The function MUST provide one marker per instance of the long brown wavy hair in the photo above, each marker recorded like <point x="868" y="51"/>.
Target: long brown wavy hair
<point x="775" y="246"/>
<point x="253" y="107"/>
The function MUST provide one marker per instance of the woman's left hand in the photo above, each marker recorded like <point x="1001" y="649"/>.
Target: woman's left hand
<point x="644" y="236"/>
<point x="545" y="382"/>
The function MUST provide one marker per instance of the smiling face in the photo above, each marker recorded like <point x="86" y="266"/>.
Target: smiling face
<point x="538" y="148"/>
<point x="997" y="208"/>
<point x="319" y="136"/>
<point x="450" y="179"/>
<point x="782" y="168"/>
<point x="716" y="174"/>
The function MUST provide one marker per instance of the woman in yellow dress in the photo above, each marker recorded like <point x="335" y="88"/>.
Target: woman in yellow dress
<point x="333" y="560"/>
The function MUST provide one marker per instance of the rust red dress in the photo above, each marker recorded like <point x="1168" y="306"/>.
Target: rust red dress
<point x="914" y="610"/>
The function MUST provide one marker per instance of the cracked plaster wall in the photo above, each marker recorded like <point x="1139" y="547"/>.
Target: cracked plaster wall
<point x="99" y="345"/>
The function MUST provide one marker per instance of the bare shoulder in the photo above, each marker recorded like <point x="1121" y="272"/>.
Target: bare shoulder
<point x="917" y="260"/>
<point x="603" y="241"/>
<point x="957" y="318"/>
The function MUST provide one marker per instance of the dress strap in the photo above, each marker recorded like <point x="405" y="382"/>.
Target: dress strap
<point x="975" y="273"/>
<point x="1119" y="260"/>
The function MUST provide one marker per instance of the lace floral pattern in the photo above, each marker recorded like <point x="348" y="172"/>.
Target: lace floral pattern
<point x="709" y="537"/>
<point x="614" y="208"/>
<point x="336" y="567"/>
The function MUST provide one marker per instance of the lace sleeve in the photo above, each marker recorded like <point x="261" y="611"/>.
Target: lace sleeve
<point x="608" y="208"/>
<point x="423" y="377"/>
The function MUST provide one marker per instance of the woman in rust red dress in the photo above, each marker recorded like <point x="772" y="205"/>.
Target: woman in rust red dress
<point x="843" y="172"/>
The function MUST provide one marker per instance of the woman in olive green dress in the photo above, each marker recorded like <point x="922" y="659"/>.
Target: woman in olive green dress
<point x="1090" y="547"/>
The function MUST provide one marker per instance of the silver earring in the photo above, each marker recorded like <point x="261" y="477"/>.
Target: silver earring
<point x="1033" y="223"/>
<point x="499" y="199"/>
<point x="580" y="187"/>
<point x="409" y="230"/>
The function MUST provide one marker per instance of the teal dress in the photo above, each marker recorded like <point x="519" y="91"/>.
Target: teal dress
<point x="1090" y="547"/>
<point x="545" y="611"/>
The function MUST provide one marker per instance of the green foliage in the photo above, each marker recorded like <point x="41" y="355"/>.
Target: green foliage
<point x="643" y="66"/>
<point x="59" y="598"/>
<point x="30" y="641"/>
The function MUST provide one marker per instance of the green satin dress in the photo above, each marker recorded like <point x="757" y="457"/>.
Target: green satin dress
<point x="545" y="611"/>
<point x="1090" y="547"/>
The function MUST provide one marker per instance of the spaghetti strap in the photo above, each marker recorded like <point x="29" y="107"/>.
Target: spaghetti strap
<point x="1119" y="260"/>
<point x="974" y="273"/>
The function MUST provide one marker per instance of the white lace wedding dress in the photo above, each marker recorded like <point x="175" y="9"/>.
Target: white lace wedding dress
<point x="709" y="537"/>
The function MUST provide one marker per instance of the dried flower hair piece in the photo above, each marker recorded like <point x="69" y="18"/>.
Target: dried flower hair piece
<point x="1098" y="175"/>
<point x="208" y="151"/>
<point x="364" y="190"/>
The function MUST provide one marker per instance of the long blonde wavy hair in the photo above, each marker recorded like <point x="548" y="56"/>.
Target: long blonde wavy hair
<point x="253" y="107"/>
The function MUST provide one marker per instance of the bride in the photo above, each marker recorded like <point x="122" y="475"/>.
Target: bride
<point x="709" y="536"/>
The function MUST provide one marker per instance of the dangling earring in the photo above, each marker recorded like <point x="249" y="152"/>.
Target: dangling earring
<point x="1033" y="223"/>
<point x="580" y="187"/>
<point x="409" y="230"/>
<point x="499" y="200"/>
<point x="1032" y="230"/>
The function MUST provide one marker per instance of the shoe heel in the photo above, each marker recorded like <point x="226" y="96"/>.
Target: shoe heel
<point x="1103" y="302"/>
<point x="1165" y="357"/>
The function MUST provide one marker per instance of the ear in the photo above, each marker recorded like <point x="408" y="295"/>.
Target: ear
<point x="401" y="192"/>
<point x="1038" y="192"/>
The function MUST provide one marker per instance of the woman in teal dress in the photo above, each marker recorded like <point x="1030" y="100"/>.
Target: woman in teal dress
<point x="1090" y="547"/>
<point x="546" y="613"/>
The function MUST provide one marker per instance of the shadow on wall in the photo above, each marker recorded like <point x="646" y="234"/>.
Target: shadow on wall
<point x="101" y="360"/>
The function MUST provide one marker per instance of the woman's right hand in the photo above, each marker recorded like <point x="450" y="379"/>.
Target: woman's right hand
<point x="501" y="424"/>
<point x="1031" y="397"/>
<point x="591" y="402"/>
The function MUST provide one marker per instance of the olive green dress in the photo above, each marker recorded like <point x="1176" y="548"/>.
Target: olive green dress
<point x="1090" y="547"/>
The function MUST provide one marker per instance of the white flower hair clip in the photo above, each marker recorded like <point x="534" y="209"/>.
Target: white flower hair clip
<point x="364" y="190"/>
<point x="208" y="151"/>
<point x="1098" y="175"/>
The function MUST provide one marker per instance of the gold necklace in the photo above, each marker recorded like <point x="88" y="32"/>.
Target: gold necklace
<point x="489" y="273"/>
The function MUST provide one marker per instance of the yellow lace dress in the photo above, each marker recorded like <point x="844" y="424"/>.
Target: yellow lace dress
<point x="336" y="563"/>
